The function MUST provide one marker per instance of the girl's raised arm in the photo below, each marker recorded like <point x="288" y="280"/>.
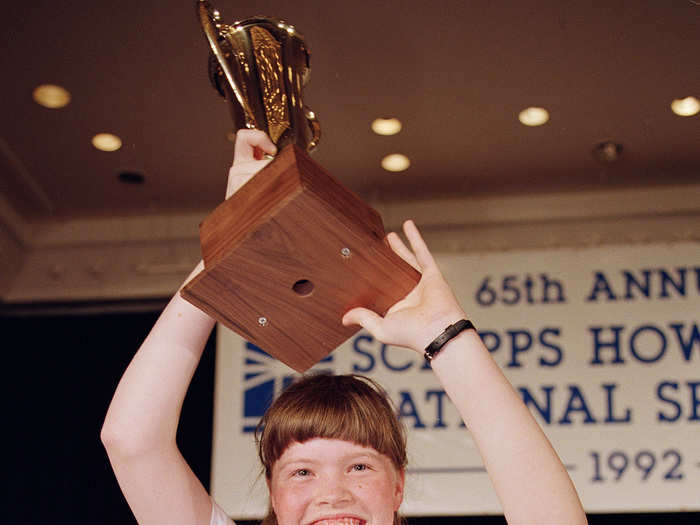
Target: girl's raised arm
<point x="141" y="423"/>
<point x="528" y="476"/>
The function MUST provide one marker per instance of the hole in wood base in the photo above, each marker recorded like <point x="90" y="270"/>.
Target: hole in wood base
<point x="303" y="287"/>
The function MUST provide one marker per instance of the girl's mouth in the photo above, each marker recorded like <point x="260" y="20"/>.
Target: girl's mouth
<point x="340" y="521"/>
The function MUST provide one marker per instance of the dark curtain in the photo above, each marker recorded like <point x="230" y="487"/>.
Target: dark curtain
<point x="59" y="375"/>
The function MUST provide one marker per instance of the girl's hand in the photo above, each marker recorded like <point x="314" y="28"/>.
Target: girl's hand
<point x="425" y="312"/>
<point x="248" y="157"/>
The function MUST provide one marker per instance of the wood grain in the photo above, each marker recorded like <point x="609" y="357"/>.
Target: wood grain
<point x="291" y="223"/>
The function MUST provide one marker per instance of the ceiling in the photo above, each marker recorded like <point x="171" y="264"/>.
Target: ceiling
<point x="457" y="73"/>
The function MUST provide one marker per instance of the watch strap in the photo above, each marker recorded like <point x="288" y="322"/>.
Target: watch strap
<point x="450" y="332"/>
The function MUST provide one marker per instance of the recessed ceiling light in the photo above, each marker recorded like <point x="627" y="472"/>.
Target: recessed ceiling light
<point x="533" y="116"/>
<point x="395" y="162"/>
<point x="106" y="142"/>
<point x="686" y="107"/>
<point x="131" y="177"/>
<point x="386" y="126"/>
<point x="51" y="96"/>
<point x="607" y="152"/>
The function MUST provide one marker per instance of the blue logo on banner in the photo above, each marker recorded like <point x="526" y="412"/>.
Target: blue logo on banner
<point x="264" y="377"/>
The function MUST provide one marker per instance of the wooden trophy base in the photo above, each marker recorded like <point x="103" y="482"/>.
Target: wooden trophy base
<point x="288" y="254"/>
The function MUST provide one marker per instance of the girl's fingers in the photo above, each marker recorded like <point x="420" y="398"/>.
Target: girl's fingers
<point x="366" y="318"/>
<point x="241" y="173"/>
<point x="251" y="144"/>
<point x="420" y="249"/>
<point x="401" y="250"/>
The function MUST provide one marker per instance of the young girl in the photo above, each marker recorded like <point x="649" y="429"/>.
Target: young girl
<point x="332" y="448"/>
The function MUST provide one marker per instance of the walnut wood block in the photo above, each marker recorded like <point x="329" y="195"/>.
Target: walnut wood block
<point x="274" y="250"/>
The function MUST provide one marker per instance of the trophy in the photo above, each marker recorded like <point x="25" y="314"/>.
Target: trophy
<point x="293" y="249"/>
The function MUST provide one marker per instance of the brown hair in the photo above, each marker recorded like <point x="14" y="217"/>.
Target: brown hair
<point x="349" y="407"/>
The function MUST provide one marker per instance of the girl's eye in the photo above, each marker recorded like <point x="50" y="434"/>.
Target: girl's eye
<point x="359" y="467"/>
<point x="302" y="472"/>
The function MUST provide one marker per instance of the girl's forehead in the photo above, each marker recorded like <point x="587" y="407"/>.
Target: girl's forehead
<point x="320" y="449"/>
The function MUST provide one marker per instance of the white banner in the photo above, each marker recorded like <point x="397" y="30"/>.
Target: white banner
<point x="602" y="343"/>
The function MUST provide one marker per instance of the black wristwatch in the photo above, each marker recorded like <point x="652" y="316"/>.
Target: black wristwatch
<point x="451" y="331"/>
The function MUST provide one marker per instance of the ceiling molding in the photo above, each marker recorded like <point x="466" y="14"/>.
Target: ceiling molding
<point x="103" y="272"/>
<point x="135" y="229"/>
<point x="141" y="257"/>
<point x="551" y="207"/>
<point x="433" y="213"/>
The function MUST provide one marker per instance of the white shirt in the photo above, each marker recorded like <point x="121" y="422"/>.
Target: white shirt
<point x="218" y="516"/>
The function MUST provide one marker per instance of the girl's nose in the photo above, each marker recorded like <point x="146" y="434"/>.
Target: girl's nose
<point x="334" y="492"/>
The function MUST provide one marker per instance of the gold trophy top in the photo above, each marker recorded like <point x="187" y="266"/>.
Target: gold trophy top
<point x="260" y="66"/>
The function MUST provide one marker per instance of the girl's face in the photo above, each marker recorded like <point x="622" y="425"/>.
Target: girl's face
<point x="334" y="482"/>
